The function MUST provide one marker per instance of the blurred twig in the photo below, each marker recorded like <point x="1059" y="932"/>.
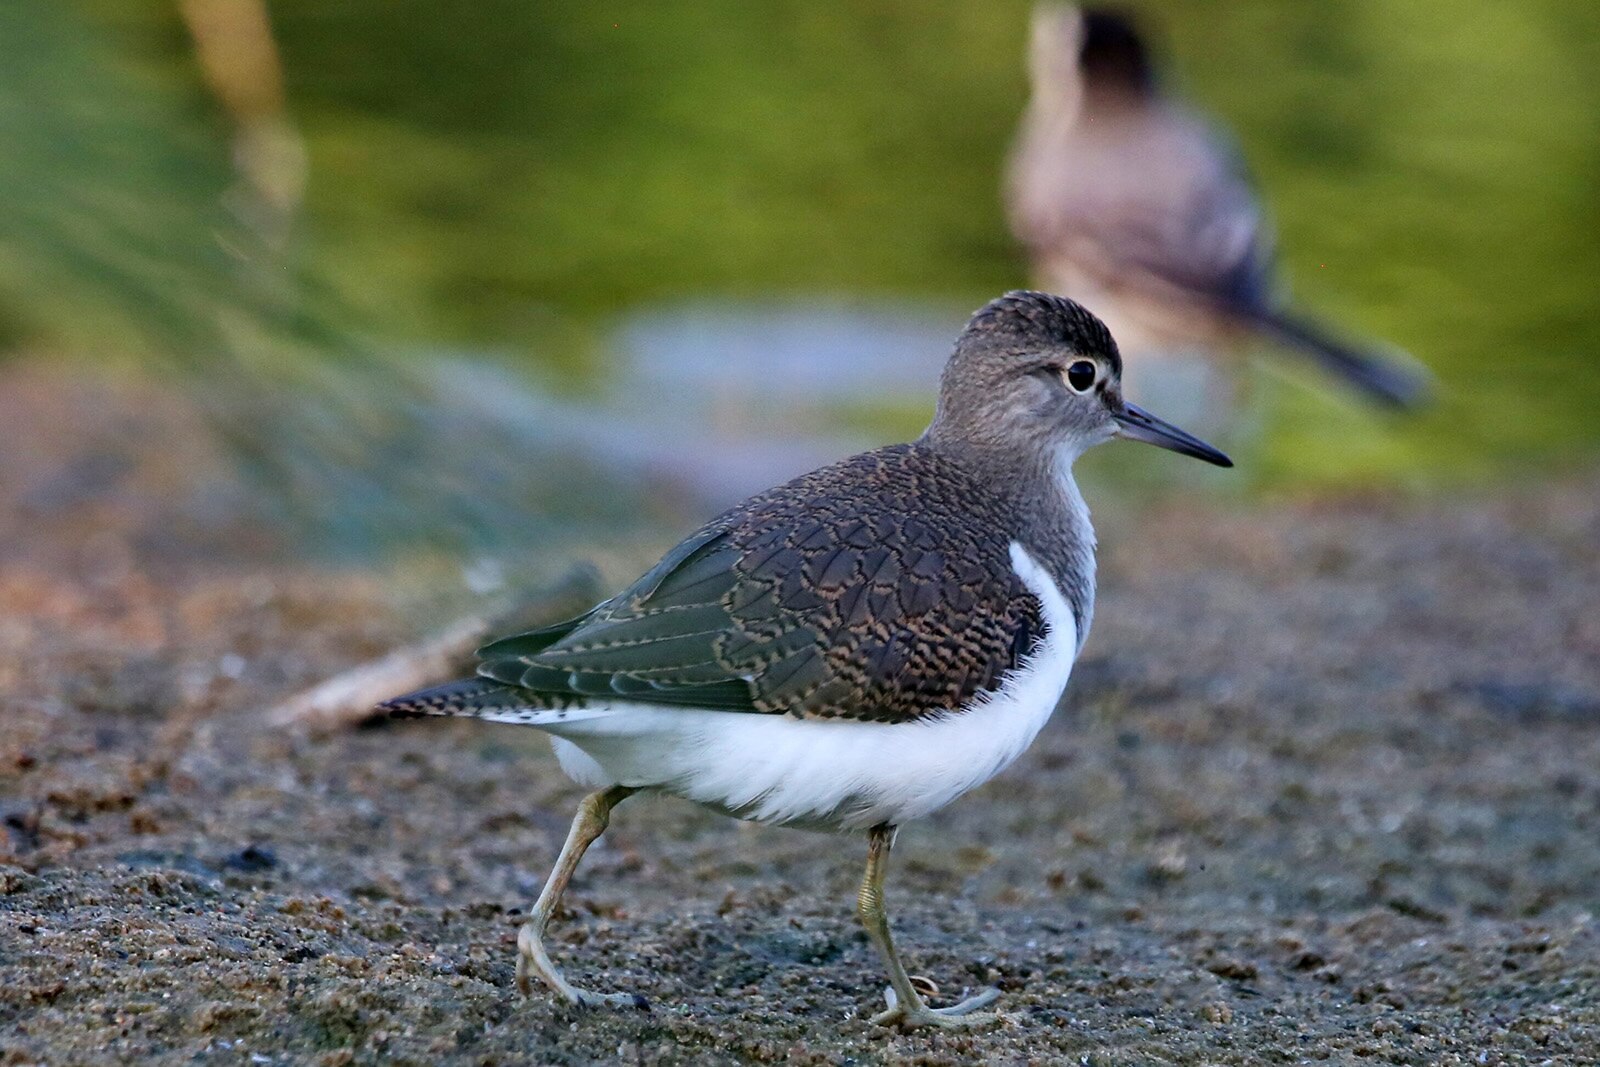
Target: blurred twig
<point x="239" y="60"/>
<point x="347" y="699"/>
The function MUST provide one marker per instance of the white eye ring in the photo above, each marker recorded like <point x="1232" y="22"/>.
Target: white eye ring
<point x="1080" y="375"/>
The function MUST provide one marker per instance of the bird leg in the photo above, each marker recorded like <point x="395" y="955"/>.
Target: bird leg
<point x="590" y="822"/>
<point x="907" y="1009"/>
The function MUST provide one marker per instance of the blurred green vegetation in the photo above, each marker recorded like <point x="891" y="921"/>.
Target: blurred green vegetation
<point x="511" y="175"/>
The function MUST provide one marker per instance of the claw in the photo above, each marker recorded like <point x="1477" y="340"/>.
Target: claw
<point x="964" y="1014"/>
<point x="587" y="999"/>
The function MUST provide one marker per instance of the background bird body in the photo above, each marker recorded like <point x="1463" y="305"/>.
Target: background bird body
<point x="1099" y="228"/>
<point x="1139" y="207"/>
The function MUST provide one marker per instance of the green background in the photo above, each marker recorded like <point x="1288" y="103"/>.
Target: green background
<point x="511" y="176"/>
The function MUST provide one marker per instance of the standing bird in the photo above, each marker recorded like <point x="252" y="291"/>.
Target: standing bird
<point x="1131" y="203"/>
<point x="855" y="648"/>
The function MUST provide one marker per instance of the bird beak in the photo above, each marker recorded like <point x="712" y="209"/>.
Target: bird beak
<point x="1137" y="424"/>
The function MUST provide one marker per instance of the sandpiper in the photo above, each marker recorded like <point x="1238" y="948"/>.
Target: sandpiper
<point x="853" y="649"/>
<point x="1137" y="206"/>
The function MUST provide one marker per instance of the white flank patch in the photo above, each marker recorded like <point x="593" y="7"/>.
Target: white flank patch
<point x="1078" y="510"/>
<point x="825" y="774"/>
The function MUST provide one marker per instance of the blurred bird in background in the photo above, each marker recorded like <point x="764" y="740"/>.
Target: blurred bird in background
<point x="1140" y="209"/>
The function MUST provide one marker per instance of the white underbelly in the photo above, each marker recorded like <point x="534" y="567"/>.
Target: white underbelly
<point x="821" y="773"/>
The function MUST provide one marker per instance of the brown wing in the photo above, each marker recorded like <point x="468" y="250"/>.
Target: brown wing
<point x="874" y="590"/>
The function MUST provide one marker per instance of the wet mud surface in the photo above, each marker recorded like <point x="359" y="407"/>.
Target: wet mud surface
<point x="1326" y="787"/>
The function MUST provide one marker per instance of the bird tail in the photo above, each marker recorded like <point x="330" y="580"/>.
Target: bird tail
<point x="1384" y="379"/>
<point x="473" y="697"/>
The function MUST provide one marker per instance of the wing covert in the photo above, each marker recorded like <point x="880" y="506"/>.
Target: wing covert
<point x="817" y="600"/>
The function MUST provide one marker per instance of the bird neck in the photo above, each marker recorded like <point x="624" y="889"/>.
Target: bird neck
<point x="1049" y="516"/>
<point x="1054" y="105"/>
<point x="1113" y="100"/>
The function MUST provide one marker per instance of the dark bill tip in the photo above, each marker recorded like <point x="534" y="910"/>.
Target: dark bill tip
<point x="1137" y="424"/>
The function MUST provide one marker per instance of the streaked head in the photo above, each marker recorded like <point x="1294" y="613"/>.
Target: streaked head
<point x="1037" y="372"/>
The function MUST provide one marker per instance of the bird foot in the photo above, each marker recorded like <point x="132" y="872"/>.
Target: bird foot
<point x="964" y="1014"/>
<point x="584" y="998"/>
<point x="531" y="960"/>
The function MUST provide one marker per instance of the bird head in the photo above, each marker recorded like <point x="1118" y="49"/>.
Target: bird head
<point x="1037" y="372"/>
<point x="1099" y="49"/>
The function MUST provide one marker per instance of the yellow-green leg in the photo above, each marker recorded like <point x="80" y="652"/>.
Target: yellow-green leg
<point x="590" y="822"/>
<point x="906" y="1006"/>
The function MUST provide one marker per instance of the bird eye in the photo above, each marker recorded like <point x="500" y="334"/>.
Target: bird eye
<point x="1081" y="375"/>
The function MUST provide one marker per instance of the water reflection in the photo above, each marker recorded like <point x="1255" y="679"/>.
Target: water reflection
<point x="722" y="399"/>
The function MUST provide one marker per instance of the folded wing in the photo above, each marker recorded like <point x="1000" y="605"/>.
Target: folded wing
<point x="791" y="606"/>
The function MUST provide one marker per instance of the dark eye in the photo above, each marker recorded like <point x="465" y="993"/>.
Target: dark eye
<point x="1081" y="375"/>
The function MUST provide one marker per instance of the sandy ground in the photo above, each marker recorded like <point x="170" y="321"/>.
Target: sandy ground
<point x="1326" y="787"/>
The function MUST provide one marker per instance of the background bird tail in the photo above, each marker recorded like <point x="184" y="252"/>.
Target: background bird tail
<point x="1384" y="379"/>
<point x="473" y="697"/>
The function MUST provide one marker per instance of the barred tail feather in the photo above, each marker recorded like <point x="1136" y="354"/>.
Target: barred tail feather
<point x="473" y="697"/>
